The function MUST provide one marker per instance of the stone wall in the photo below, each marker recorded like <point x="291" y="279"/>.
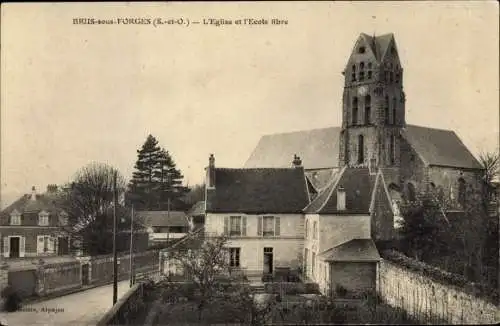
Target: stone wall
<point x="60" y="277"/>
<point x="432" y="301"/>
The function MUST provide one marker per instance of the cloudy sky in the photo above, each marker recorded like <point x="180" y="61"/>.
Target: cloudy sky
<point x="72" y="94"/>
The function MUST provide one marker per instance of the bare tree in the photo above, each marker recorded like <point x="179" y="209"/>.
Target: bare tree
<point x="490" y="162"/>
<point x="88" y="201"/>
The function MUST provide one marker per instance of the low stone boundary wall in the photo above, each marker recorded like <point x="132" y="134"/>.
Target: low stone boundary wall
<point x="431" y="301"/>
<point x="127" y="306"/>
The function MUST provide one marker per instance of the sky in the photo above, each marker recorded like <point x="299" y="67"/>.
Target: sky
<point x="74" y="94"/>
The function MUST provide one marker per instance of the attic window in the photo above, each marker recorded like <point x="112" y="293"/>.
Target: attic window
<point x="361" y="49"/>
<point x="15" y="218"/>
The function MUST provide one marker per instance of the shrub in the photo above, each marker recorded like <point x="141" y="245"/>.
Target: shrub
<point x="12" y="299"/>
<point x="266" y="278"/>
<point x="340" y="290"/>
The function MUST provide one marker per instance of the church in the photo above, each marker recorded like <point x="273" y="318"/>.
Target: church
<point x="374" y="133"/>
<point x="318" y="200"/>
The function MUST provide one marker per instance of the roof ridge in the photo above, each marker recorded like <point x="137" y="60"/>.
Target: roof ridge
<point x="434" y="128"/>
<point x="299" y="131"/>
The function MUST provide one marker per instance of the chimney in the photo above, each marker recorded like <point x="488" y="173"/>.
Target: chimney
<point x="297" y="162"/>
<point x="210" y="181"/>
<point x="372" y="166"/>
<point x="340" y="198"/>
<point x="33" y="193"/>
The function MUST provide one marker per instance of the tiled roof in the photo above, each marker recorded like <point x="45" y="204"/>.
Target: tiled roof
<point x="163" y="218"/>
<point x="318" y="148"/>
<point x="439" y="147"/>
<point x="355" y="250"/>
<point x="358" y="186"/>
<point x="198" y="209"/>
<point x="258" y="191"/>
<point x="26" y="205"/>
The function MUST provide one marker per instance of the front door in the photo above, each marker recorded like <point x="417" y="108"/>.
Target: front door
<point x="14" y="247"/>
<point x="62" y="246"/>
<point x="268" y="260"/>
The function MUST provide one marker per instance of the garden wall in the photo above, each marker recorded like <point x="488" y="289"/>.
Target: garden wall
<point x="430" y="300"/>
<point x="128" y="306"/>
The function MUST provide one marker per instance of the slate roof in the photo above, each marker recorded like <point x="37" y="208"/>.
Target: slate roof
<point x="358" y="185"/>
<point x="26" y="205"/>
<point x="163" y="218"/>
<point x="318" y="148"/>
<point x="266" y="190"/>
<point x="440" y="147"/>
<point x="198" y="209"/>
<point x="378" y="44"/>
<point x="355" y="250"/>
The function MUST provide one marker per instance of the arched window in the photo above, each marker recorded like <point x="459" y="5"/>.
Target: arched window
<point x="361" y="71"/>
<point x="394" y="106"/>
<point x="353" y="73"/>
<point x="398" y="77"/>
<point x="368" y="104"/>
<point x="411" y="192"/>
<point x="391" y="77"/>
<point x="369" y="70"/>
<point x="361" y="149"/>
<point x="462" y="192"/>
<point x="392" y="154"/>
<point x="355" y="110"/>
<point x="386" y="110"/>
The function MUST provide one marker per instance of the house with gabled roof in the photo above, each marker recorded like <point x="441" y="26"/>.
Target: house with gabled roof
<point x="341" y="224"/>
<point x="34" y="226"/>
<point x="261" y="212"/>
<point x="164" y="226"/>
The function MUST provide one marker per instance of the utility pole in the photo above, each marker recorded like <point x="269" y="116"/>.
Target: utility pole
<point x="131" y="247"/>
<point x="115" y="260"/>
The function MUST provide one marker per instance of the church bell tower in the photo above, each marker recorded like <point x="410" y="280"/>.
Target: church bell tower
<point x="373" y="108"/>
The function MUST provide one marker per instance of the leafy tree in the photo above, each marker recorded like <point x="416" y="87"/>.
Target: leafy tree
<point x="423" y="227"/>
<point x="88" y="201"/>
<point x="156" y="182"/>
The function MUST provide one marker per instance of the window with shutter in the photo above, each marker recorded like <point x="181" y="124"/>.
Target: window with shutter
<point x="22" y="246"/>
<point x="235" y="225"/>
<point x="40" y="244"/>
<point x="277" y="227"/>
<point x="6" y="247"/>
<point x="226" y="225"/>
<point x="259" y="226"/>
<point x="268" y="226"/>
<point x="244" y="225"/>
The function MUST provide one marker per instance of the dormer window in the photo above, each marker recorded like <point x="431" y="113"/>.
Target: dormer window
<point x="361" y="49"/>
<point x="43" y="218"/>
<point x="341" y="198"/>
<point x="15" y="218"/>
